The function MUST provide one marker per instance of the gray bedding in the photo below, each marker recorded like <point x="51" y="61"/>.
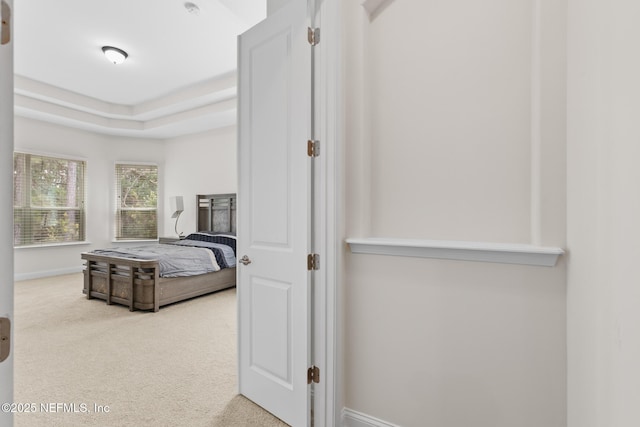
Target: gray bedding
<point x="173" y="260"/>
<point x="228" y="256"/>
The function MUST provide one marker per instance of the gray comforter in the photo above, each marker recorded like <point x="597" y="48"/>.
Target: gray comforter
<point x="174" y="260"/>
<point x="229" y="258"/>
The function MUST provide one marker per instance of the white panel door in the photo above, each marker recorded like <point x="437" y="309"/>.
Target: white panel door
<point x="6" y="193"/>
<point x="273" y="213"/>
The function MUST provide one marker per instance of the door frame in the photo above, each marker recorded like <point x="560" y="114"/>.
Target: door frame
<point x="6" y="229"/>
<point x="329" y="395"/>
<point x="327" y="320"/>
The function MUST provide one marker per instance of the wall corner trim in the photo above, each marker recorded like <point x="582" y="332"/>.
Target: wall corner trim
<point x="351" y="418"/>
<point x="505" y="253"/>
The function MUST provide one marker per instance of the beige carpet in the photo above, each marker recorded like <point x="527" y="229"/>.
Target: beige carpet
<point x="241" y="412"/>
<point x="89" y="364"/>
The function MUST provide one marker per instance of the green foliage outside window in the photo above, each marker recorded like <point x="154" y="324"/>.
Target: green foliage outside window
<point x="137" y="201"/>
<point x="48" y="200"/>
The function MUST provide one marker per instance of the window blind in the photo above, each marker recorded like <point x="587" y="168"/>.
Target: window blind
<point x="136" y="216"/>
<point x="48" y="200"/>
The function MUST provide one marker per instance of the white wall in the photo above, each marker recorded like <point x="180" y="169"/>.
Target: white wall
<point x="101" y="152"/>
<point x="445" y="102"/>
<point x="603" y="212"/>
<point x="198" y="164"/>
<point x="274" y="5"/>
<point x="455" y="130"/>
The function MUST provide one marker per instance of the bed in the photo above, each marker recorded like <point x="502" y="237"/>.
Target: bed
<point x="139" y="283"/>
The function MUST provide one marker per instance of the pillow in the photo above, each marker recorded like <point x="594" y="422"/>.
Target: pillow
<point x="228" y="239"/>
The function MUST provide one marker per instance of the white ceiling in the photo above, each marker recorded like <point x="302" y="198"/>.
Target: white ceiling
<point x="179" y="77"/>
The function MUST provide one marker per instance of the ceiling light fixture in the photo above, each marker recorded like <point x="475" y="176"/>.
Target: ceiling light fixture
<point x="115" y="55"/>
<point x="192" y="8"/>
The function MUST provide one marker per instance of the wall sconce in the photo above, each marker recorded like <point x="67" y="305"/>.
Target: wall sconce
<point x="177" y="206"/>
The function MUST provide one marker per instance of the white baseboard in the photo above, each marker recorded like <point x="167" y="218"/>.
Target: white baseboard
<point x="351" y="418"/>
<point x="46" y="273"/>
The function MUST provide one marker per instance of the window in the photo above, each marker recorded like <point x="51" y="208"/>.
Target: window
<point x="136" y="202"/>
<point x="48" y="200"/>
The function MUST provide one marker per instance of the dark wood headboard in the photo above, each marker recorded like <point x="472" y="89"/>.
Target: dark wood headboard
<point x="216" y="212"/>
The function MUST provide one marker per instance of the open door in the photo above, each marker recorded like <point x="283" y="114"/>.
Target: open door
<point x="274" y="200"/>
<point x="6" y="211"/>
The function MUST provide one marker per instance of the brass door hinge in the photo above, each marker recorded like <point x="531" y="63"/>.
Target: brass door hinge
<point x="313" y="36"/>
<point x="313" y="148"/>
<point x="5" y="338"/>
<point x="313" y="375"/>
<point x="5" y="32"/>
<point x="313" y="262"/>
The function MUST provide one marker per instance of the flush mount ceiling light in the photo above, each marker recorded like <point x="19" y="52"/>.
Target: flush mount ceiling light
<point x="115" y="55"/>
<point x="192" y="8"/>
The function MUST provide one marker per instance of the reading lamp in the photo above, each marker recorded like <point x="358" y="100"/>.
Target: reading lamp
<point x="177" y="206"/>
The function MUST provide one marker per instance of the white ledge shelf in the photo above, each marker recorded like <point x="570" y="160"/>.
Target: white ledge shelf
<point x="458" y="250"/>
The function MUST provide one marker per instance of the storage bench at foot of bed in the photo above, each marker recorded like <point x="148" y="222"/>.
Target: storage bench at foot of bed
<point x="136" y="283"/>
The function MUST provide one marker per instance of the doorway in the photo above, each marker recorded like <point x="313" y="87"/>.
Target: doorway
<point x="41" y="136"/>
<point x="328" y="296"/>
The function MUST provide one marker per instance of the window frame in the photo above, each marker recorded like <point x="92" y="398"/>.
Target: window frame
<point x="117" y="223"/>
<point x="25" y="204"/>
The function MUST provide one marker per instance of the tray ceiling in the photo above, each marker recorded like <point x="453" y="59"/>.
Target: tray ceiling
<point x="179" y="77"/>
